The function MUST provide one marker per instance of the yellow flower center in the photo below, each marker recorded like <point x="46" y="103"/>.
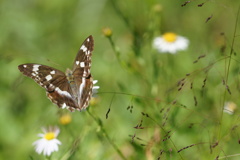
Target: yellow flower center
<point x="49" y="135"/>
<point x="169" y="37"/>
<point x="65" y="119"/>
<point x="231" y="106"/>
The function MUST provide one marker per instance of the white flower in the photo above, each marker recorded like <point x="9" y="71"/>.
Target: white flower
<point x="170" y="42"/>
<point x="95" y="89"/>
<point x="230" y="107"/>
<point x="48" y="142"/>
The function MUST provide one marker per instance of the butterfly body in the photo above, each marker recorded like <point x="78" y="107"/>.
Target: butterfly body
<point x="71" y="90"/>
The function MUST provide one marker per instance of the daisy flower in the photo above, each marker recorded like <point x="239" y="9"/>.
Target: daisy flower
<point x="48" y="142"/>
<point x="229" y="107"/>
<point x="170" y="42"/>
<point x="95" y="89"/>
<point x="94" y="98"/>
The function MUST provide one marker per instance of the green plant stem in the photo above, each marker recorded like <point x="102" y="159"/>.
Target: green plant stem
<point x="121" y="15"/>
<point x="116" y="51"/>
<point x="137" y="41"/>
<point x="169" y="138"/>
<point x="107" y="136"/>
<point x="228" y="68"/>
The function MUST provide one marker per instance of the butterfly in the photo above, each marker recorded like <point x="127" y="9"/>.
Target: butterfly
<point x="73" y="89"/>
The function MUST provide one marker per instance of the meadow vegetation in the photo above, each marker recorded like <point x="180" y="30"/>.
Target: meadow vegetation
<point x="150" y="105"/>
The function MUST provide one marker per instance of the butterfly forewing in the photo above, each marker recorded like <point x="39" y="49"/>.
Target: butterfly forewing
<point x="82" y="62"/>
<point x="72" y="90"/>
<point x="45" y="76"/>
<point x="53" y="80"/>
<point x="81" y="72"/>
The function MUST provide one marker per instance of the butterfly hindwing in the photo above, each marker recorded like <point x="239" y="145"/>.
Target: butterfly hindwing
<point x="85" y="92"/>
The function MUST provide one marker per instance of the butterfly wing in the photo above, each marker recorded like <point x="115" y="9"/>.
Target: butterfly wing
<point x="81" y="73"/>
<point x="73" y="90"/>
<point x="82" y="62"/>
<point x="54" y="81"/>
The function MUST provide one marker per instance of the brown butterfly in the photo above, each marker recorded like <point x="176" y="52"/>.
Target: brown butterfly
<point x="71" y="90"/>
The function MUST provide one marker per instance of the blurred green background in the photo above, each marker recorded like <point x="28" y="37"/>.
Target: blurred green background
<point x="50" y="33"/>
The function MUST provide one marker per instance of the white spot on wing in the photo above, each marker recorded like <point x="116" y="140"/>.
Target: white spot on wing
<point x="82" y="64"/>
<point x="35" y="68"/>
<point x="88" y="39"/>
<point x="62" y="92"/>
<point x="84" y="73"/>
<point x="48" y="77"/>
<point x="25" y="66"/>
<point x="81" y="91"/>
<point x="64" y="105"/>
<point x="51" y="85"/>
<point x="52" y="72"/>
<point x="77" y="62"/>
<point x="84" y="48"/>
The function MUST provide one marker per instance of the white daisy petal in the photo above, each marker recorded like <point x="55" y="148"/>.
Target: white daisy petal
<point x="170" y="43"/>
<point x="48" y="143"/>
<point x="230" y="107"/>
<point x="40" y="135"/>
<point x="95" y="81"/>
<point x="95" y="89"/>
